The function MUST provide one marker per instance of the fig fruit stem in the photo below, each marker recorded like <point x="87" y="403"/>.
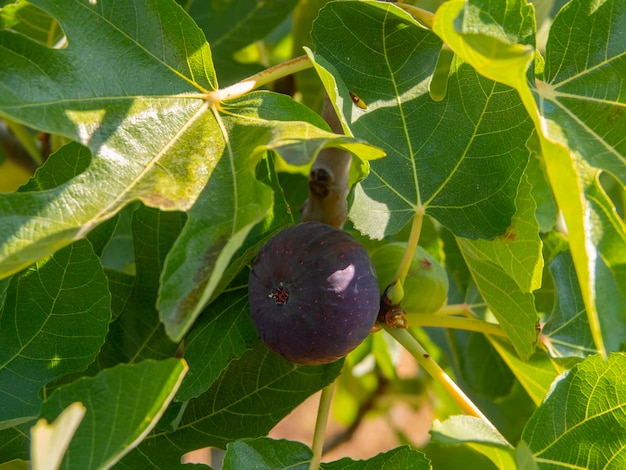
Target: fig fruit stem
<point x="412" y="345"/>
<point x="320" y="425"/>
<point x="457" y="323"/>
<point x="259" y="79"/>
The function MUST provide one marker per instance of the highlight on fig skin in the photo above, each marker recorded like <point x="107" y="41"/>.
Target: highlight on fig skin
<point x="313" y="293"/>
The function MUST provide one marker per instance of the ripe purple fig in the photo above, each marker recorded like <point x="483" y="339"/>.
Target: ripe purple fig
<point x="313" y="293"/>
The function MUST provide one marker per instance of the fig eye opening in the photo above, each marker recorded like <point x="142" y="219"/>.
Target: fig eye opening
<point x="279" y="295"/>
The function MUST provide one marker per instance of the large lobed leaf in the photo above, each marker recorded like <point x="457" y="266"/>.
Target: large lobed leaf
<point x="459" y="160"/>
<point x="153" y="132"/>
<point x="148" y="124"/>
<point x="146" y="59"/>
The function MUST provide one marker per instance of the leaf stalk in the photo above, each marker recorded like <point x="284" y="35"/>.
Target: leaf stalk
<point x="455" y="309"/>
<point x="407" y="259"/>
<point x="262" y="78"/>
<point x="412" y="345"/>
<point x="457" y="323"/>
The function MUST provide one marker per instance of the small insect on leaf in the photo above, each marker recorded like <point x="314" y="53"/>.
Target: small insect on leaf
<point x="358" y="101"/>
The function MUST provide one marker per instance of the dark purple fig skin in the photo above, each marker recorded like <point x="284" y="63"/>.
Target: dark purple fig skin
<point x="313" y="293"/>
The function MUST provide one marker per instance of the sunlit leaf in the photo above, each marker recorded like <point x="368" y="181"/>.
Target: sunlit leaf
<point x="144" y="115"/>
<point x="581" y="423"/>
<point x="478" y="435"/>
<point x="576" y="107"/>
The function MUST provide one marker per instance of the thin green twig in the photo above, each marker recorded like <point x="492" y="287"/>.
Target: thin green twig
<point x="320" y="426"/>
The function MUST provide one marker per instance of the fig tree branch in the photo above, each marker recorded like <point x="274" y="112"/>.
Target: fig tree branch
<point x="328" y="179"/>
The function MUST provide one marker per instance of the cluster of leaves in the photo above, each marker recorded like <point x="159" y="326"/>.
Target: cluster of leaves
<point x="131" y="243"/>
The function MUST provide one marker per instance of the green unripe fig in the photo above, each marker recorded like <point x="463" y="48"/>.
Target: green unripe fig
<point x="426" y="284"/>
